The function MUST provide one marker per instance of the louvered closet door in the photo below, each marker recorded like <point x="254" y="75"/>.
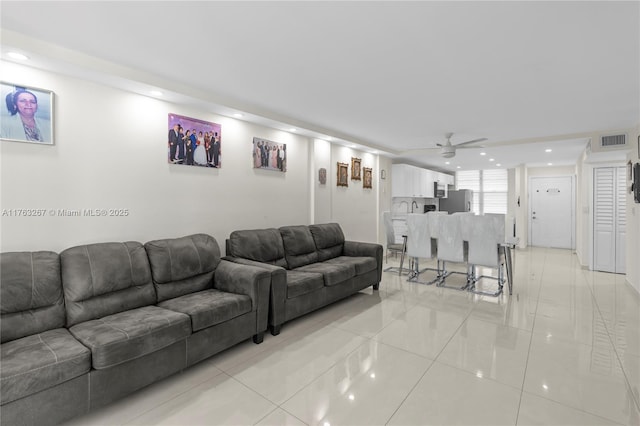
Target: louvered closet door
<point x="621" y="220"/>
<point x="609" y="219"/>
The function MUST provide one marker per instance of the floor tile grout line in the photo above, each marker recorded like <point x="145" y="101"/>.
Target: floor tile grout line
<point x="320" y="374"/>
<point x="427" y="370"/>
<point x="555" y="401"/>
<point x="265" y="398"/>
<point x="611" y="340"/>
<point x="526" y="365"/>
<point x="177" y="395"/>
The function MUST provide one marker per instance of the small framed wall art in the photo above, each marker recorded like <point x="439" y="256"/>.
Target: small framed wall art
<point x="343" y="174"/>
<point x="322" y="176"/>
<point x="355" y="168"/>
<point x="367" y="178"/>
<point x="27" y="114"/>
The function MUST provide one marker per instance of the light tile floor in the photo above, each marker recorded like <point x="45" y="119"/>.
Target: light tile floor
<point x="564" y="349"/>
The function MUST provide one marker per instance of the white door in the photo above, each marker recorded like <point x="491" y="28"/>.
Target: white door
<point x="609" y="219"/>
<point x="551" y="212"/>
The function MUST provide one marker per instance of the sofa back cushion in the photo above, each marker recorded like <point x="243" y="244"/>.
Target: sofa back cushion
<point x="299" y="247"/>
<point x="104" y="279"/>
<point x="183" y="265"/>
<point x="329" y="240"/>
<point x="31" y="299"/>
<point x="260" y="245"/>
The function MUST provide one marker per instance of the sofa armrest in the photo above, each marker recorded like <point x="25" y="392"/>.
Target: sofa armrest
<point x="356" y="249"/>
<point x="248" y="280"/>
<point x="277" y="292"/>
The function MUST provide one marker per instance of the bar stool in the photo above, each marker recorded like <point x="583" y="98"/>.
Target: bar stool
<point x="486" y="235"/>
<point x="420" y="245"/>
<point x="392" y="245"/>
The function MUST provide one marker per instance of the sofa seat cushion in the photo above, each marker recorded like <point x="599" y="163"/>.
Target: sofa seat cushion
<point x="209" y="307"/>
<point x="299" y="283"/>
<point x="333" y="273"/>
<point x="128" y="335"/>
<point x="40" y="361"/>
<point x="362" y="264"/>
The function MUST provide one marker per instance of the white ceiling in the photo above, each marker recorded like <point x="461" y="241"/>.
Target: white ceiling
<point x="391" y="76"/>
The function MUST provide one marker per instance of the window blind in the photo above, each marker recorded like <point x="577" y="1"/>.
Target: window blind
<point x="489" y="188"/>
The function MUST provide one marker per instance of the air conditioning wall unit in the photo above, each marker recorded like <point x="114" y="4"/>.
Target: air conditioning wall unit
<point x="612" y="142"/>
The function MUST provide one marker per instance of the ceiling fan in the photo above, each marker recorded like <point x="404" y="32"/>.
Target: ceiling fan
<point x="448" y="150"/>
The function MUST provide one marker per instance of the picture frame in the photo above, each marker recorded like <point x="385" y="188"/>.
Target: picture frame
<point x="27" y="114"/>
<point x="367" y="178"/>
<point x="343" y="174"/>
<point x="194" y="142"/>
<point x="355" y="168"/>
<point x="269" y="155"/>
<point x="322" y="176"/>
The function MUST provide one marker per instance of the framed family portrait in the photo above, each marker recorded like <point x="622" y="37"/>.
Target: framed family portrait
<point x="343" y="174"/>
<point x="26" y="114"/>
<point x="367" y="178"/>
<point x="194" y="142"/>
<point x="269" y="155"/>
<point x="355" y="168"/>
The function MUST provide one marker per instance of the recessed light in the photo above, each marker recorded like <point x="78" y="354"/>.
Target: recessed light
<point x="156" y="93"/>
<point x="18" y="56"/>
<point x="549" y="164"/>
<point x="548" y="150"/>
<point x="483" y="153"/>
<point x="237" y="115"/>
<point x="447" y="162"/>
<point x="491" y="159"/>
<point x="351" y="397"/>
<point x="292" y="130"/>
<point x="498" y="164"/>
<point x="457" y="167"/>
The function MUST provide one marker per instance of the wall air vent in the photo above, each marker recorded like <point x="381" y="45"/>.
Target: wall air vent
<point x="612" y="141"/>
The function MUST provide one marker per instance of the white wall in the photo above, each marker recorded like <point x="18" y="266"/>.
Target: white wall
<point x="110" y="152"/>
<point x="353" y="207"/>
<point x="633" y="222"/>
<point x="384" y="200"/>
<point x="322" y="193"/>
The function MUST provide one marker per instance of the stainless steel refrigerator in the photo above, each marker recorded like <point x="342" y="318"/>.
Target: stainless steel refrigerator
<point x="457" y="201"/>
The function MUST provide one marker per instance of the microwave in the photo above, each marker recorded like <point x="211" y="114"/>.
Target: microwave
<point x="439" y="190"/>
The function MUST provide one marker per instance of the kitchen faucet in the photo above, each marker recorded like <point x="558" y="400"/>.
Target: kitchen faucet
<point x="412" y="203"/>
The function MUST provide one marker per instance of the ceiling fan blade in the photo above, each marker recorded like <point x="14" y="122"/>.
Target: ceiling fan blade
<point x="470" y="142"/>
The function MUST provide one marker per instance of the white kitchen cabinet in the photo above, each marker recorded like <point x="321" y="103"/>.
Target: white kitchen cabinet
<point x="415" y="182"/>
<point x="401" y="180"/>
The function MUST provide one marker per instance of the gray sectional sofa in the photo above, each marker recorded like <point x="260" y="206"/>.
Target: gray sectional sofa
<point x="311" y="266"/>
<point x="99" y="321"/>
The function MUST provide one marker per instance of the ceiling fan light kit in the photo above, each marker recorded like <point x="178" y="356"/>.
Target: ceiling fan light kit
<point x="448" y="150"/>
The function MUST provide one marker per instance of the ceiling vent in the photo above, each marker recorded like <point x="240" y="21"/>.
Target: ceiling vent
<point x="613" y="141"/>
